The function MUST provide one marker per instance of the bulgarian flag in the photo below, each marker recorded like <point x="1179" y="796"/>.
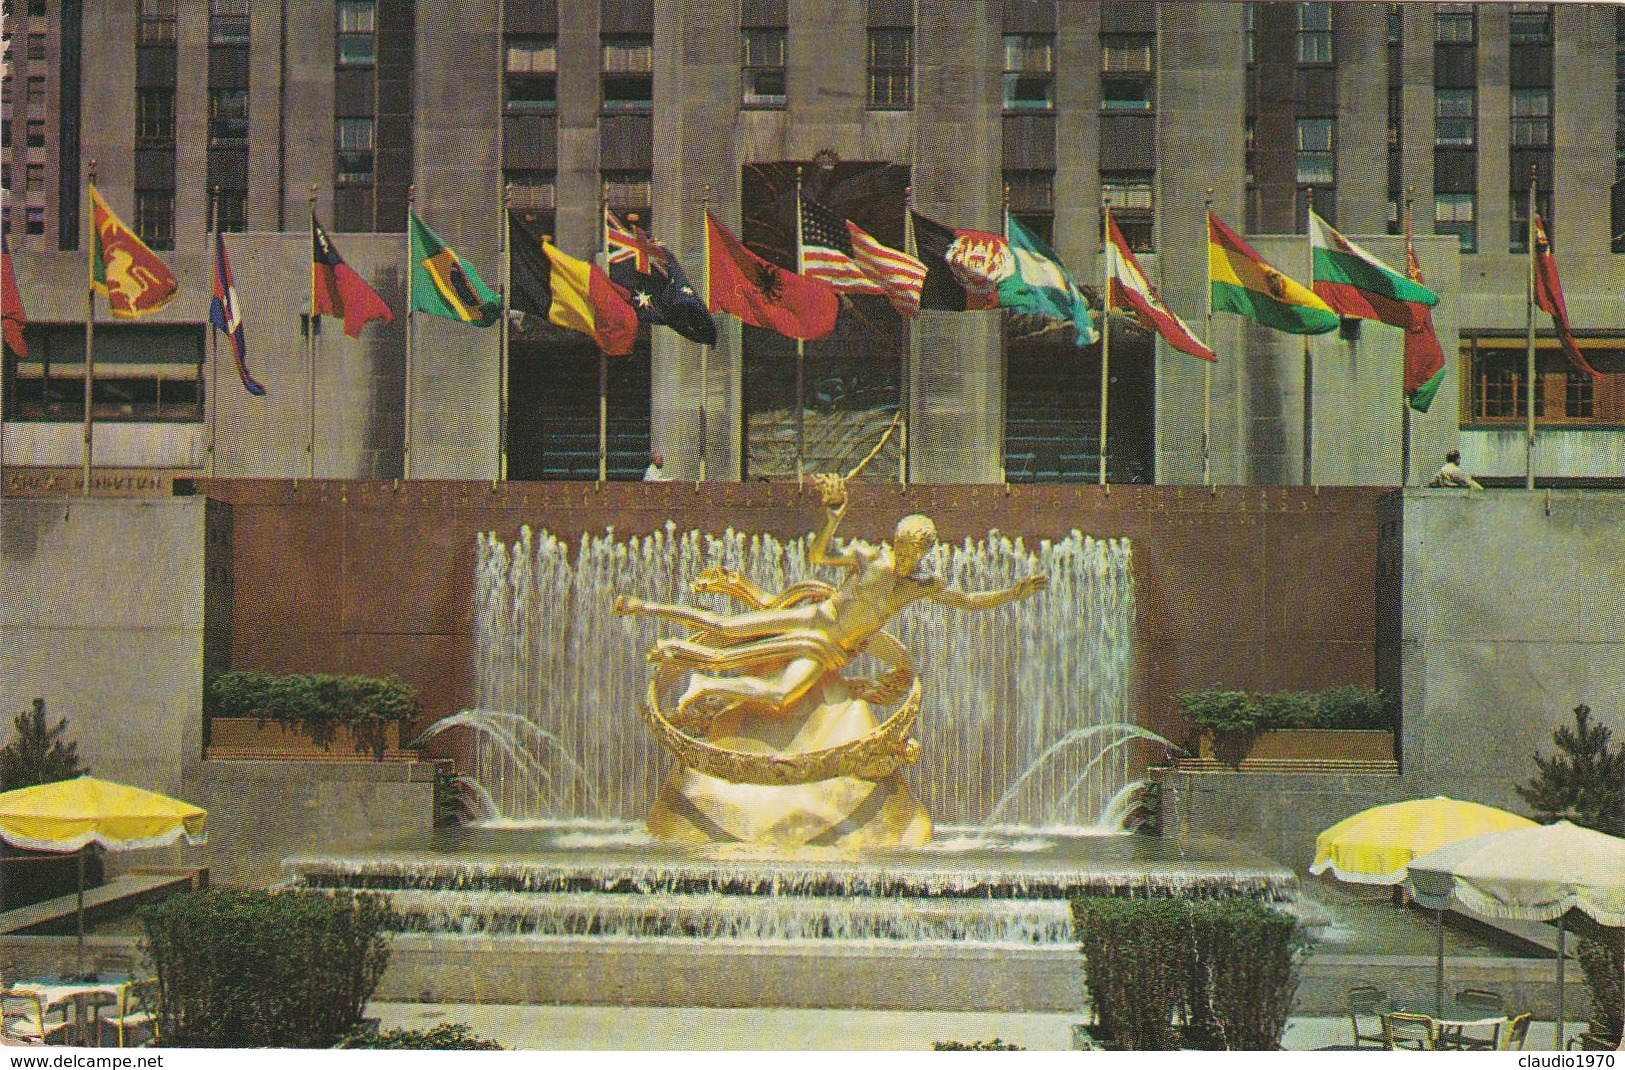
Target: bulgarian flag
<point x="1130" y="289"/>
<point x="1355" y="283"/>
<point x="1242" y="282"/>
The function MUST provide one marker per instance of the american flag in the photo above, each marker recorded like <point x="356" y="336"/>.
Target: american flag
<point x="850" y="259"/>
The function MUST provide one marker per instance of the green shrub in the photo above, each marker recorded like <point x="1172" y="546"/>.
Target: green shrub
<point x="239" y="969"/>
<point x="1354" y="707"/>
<point x="1604" y="969"/>
<point x="1164" y="973"/>
<point x="447" y="1036"/>
<point x="317" y="702"/>
<point x="1288" y="709"/>
<point x="976" y="1045"/>
<point x="1220" y="712"/>
<point x="1238" y="713"/>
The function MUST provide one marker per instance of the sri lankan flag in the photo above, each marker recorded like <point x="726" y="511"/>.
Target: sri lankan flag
<point x="122" y="268"/>
<point x="1242" y="282"/>
<point x="442" y="285"/>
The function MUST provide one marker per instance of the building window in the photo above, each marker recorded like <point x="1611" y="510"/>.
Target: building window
<point x="154" y="115"/>
<point x="532" y="72"/>
<point x="1531" y="24"/>
<point x="35" y="177"/>
<point x="1454" y="24"/>
<point x="1396" y="24"/>
<point x="1455" y="113"/>
<point x="142" y="372"/>
<point x="532" y="190"/>
<point x="1126" y="94"/>
<point x="357" y="32"/>
<point x="155" y="24"/>
<point x="1315" y="158"/>
<point x="5" y="89"/>
<point x="628" y="72"/>
<point x="36" y="133"/>
<point x="1032" y="200"/>
<point x="36" y="46"/>
<point x="228" y="117"/>
<point x="1249" y="20"/>
<point x="354" y="143"/>
<point x="36" y="95"/>
<point x="1518" y="239"/>
<point x="628" y="193"/>
<point x="5" y="133"/>
<point x="891" y="68"/>
<point x="1128" y="53"/>
<point x="1315" y="33"/>
<point x="228" y="22"/>
<point x="1579" y="396"/>
<point x="1029" y="71"/>
<point x="1130" y="196"/>
<point x="1499" y="390"/>
<point x="34" y="220"/>
<point x="762" y="67"/>
<point x="155" y="217"/>
<point x="36" y="9"/>
<point x="1531" y="118"/>
<point x="230" y="213"/>
<point x="1454" y="213"/>
<point x="1396" y="115"/>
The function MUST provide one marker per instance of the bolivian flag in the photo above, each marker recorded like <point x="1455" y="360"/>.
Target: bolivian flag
<point x="122" y="268"/>
<point x="442" y="285"/>
<point x="1242" y="282"/>
<point x="575" y="294"/>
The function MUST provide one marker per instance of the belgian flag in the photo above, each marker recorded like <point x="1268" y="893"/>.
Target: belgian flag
<point x="575" y="294"/>
<point x="442" y="285"/>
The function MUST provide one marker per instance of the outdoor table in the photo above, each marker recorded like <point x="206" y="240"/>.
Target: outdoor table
<point x="1455" y="1018"/>
<point x="57" y="991"/>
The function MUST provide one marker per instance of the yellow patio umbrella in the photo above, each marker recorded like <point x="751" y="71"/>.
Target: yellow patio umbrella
<point x="70" y="815"/>
<point x="1376" y="846"/>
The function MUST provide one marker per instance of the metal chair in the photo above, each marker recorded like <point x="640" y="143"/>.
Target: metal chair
<point x="23" y="1019"/>
<point x="1478" y="1001"/>
<point x="137" y="1007"/>
<point x="1409" y="1032"/>
<point x="1593" y="1041"/>
<point x="1367" y="1001"/>
<point x="1516" y="1033"/>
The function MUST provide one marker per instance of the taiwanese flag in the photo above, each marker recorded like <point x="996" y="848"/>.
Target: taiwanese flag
<point x="336" y="290"/>
<point x="1549" y="299"/>
<point x="15" y="319"/>
<point x="765" y="295"/>
<point x="225" y="315"/>
<point x="963" y="268"/>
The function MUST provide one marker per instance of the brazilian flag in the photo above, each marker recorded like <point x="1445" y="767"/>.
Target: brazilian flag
<point x="442" y="285"/>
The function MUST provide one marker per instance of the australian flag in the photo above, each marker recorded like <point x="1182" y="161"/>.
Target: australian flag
<point x="226" y="317"/>
<point x="651" y="274"/>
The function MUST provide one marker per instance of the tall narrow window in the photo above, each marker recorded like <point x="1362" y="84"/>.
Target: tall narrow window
<point x="228" y="117"/>
<point x="1454" y="24"/>
<point x="1315" y="153"/>
<point x="357" y="32"/>
<point x="532" y="72"/>
<point x="1315" y="33"/>
<point x="1029" y="71"/>
<point x="1032" y="200"/>
<point x="36" y="133"/>
<point x="155" y="23"/>
<point x="1130" y="196"/>
<point x="628" y="72"/>
<point x="762" y="67"/>
<point x="354" y="144"/>
<point x="36" y="46"/>
<point x="154" y="115"/>
<point x="1531" y="24"/>
<point x="36" y="95"/>
<point x="155" y="217"/>
<point x="1453" y="213"/>
<point x="891" y="67"/>
<point x="1532" y="118"/>
<point x="1455" y="117"/>
<point x="228" y="22"/>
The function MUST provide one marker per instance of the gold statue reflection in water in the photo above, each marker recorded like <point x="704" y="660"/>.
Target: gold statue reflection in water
<point x="786" y="750"/>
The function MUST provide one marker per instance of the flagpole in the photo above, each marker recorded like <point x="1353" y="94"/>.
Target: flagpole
<point x="1207" y="366"/>
<point x="603" y="361"/>
<point x="1404" y="402"/>
<point x="1105" y="323"/>
<point x="503" y="343"/>
<point x="90" y="338"/>
<point x="211" y="402"/>
<point x="1529" y="342"/>
<point x="310" y="352"/>
<point x="406" y="436"/>
<point x="1308" y="367"/>
<point x="705" y="380"/>
<point x="1004" y="349"/>
<point x="801" y="352"/>
<point x="905" y="386"/>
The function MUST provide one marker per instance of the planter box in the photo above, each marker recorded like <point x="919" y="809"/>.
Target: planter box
<point x="237" y="738"/>
<point x="1292" y="750"/>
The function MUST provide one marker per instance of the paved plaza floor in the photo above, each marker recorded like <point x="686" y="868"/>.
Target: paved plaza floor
<point x="575" y="1028"/>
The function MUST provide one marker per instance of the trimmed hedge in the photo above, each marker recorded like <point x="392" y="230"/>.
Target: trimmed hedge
<point x="251" y="969"/>
<point x="1166" y="973"/>
<point x="317" y="702"/>
<point x="1238" y="712"/>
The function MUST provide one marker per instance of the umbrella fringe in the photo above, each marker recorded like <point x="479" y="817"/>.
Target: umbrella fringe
<point x="80" y="842"/>
<point x="1490" y="907"/>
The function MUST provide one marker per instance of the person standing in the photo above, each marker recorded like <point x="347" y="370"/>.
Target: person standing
<point x="1451" y="474"/>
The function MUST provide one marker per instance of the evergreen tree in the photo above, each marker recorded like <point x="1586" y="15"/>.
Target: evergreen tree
<point x="1584" y="784"/>
<point x="38" y="754"/>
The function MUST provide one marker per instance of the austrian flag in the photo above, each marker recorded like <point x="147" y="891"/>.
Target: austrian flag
<point x="1130" y="289"/>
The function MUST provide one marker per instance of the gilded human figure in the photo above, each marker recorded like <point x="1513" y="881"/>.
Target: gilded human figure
<point x="786" y="734"/>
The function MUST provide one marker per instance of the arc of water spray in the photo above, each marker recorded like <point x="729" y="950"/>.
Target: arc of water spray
<point x="490" y="721"/>
<point x="1077" y="735"/>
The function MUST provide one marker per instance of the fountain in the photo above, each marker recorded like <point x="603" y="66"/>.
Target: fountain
<point x="1024" y="734"/>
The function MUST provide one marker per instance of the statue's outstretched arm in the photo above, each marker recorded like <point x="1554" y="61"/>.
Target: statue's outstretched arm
<point x="835" y="502"/>
<point x="954" y="598"/>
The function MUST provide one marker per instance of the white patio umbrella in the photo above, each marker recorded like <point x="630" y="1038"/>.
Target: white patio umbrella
<point x="1530" y="874"/>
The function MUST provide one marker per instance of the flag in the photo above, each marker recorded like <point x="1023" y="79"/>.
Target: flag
<point x="1549" y="299"/>
<point x="963" y="268"/>
<point x="336" y="290"/>
<point x="1041" y="286"/>
<point x="1241" y="282"/>
<point x="1130" y="289"/>
<point x="16" y="319"/>
<point x="442" y="285"/>
<point x="1424" y="358"/>
<point x="763" y="295"/>
<point x="660" y="290"/>
<point x="569" y="292"/>
<point x="226" y="317"/>
<point x="123" y="270"/>
<point x="849" y="258"/>
<point x="900" y="276"/>
<point x="1355" y="283"/>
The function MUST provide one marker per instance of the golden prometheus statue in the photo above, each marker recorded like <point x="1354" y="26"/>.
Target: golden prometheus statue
<point x="775" y="745"/>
